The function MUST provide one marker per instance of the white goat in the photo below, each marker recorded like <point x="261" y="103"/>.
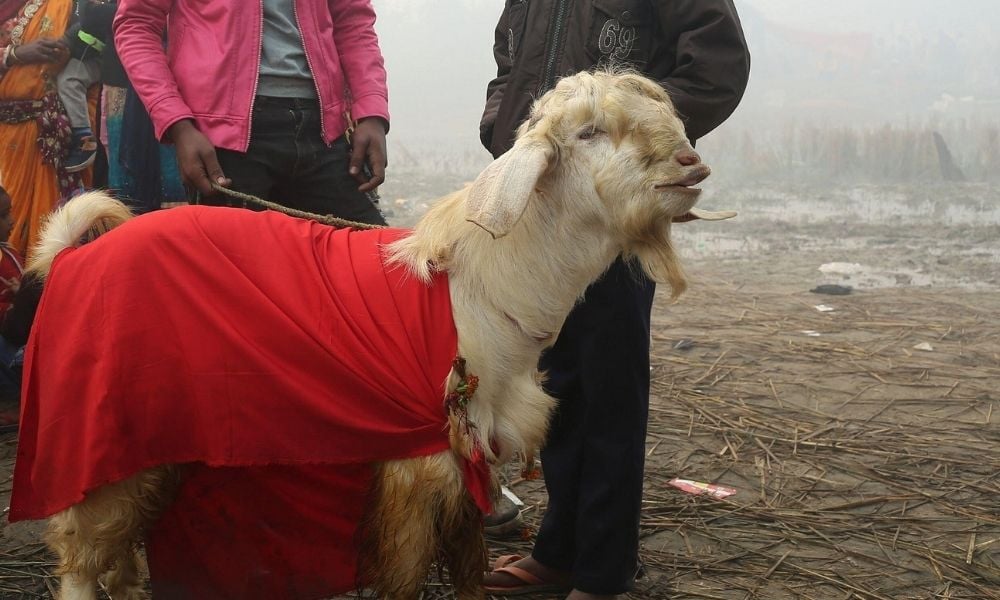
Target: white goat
<point x="601" y="169"/>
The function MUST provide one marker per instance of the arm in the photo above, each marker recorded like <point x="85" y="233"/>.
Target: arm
<point x="137" y="30"/>
<point x="138" y="34"/>
<point x="360" y="58"/>
<point x="364" y="70"/>
<point x="40" y="51"/>
<point x="713" y="63"/>
<point x="495" y="89"/>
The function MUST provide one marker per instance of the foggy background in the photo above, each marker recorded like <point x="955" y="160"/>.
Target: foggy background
<point x="894" y="90"/>
<point x="866" y="150"/>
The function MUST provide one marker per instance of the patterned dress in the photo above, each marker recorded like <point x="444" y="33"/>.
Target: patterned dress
<point x="141" y="171"/>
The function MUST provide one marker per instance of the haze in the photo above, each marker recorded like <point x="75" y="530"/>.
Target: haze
<point x="846" y="63"/>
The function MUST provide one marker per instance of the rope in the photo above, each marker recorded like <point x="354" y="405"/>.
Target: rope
<point x="301" y="214"/>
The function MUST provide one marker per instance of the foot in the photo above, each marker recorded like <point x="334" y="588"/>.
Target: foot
<point x="82" y="155"/>
<point x="504" y="522"/>
<point x="522" y="575"/>
<point x="74" y="587"/>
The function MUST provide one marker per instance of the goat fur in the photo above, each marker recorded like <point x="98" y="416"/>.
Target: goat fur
<point x="593" y="175"/>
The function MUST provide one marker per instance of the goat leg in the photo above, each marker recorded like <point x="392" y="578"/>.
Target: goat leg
<point x="99" y="534"/>
<point x="123" y="581"/>
<point x="461" y="535"/>
<point x="400" y="536"/>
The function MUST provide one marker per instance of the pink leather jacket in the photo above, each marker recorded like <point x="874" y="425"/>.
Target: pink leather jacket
<point x="209" y="70"/>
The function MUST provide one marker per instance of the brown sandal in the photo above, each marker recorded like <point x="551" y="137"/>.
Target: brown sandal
<point x="528" y="583"/>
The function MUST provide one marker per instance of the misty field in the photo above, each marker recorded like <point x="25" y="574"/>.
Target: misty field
<point x="861" y="432"/>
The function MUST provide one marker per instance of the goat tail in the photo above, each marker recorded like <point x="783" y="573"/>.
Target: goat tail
<point x="81" y="220"/>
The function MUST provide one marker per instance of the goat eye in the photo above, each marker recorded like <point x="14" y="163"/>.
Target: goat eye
<point x="588" y="134"/>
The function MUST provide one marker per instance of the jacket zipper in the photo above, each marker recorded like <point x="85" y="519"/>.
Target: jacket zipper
<point x="555" y="45"/>
<point x="312" y="72"/>
<point x="256" y="77"/>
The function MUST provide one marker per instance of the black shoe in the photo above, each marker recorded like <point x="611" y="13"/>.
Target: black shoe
<point x="505" y="521"/>
<point x="83" y="154"/>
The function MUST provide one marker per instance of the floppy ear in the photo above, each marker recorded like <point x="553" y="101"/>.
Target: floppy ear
<point x="499" y="195"/>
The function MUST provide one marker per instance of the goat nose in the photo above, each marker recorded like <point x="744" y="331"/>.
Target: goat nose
<point x="687" y="157"/>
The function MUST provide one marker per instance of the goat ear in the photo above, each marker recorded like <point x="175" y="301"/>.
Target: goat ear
<point x="499" y="195"/>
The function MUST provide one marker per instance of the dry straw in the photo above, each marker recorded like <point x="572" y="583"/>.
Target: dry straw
<point x="866" y="469"/>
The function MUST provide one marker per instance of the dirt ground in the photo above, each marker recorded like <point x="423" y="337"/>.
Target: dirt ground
<point x="861" y="432"/>
<point x="865" y="467"/>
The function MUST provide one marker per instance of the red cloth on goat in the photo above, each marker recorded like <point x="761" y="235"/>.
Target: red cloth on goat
<point x="237" y="341"/>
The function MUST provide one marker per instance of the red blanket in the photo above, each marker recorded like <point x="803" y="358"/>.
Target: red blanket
<point x="238" y="342"/>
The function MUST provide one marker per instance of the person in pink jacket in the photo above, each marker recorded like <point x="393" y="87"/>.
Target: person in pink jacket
<point x="258" y="95"/>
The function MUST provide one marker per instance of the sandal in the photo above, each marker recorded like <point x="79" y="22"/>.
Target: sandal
<point x="528" y="583"/>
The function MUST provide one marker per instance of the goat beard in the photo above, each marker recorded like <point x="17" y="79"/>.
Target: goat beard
<point x="655" y="251"/>
<point x="646" y="227"/>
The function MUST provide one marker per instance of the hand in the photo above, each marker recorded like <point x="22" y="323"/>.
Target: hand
<point x="13" y="284"/>
<point x="40" y="51"/>
<point x="196" y="159"/>
<point x="368" y="146"/>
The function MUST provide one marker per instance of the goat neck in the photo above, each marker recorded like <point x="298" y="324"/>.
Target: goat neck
<point x="511" y="296"/>
<point x="534" y="276"/>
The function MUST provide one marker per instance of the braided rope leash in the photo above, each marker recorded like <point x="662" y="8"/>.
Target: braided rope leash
<point x="292" y="212"/>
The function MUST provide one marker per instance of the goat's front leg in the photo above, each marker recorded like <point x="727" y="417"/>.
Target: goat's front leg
<point x="461" y="531"/>
<point x="400" y="531"/>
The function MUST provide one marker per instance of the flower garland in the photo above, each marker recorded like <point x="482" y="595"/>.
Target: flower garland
<point x="457" y="401"/>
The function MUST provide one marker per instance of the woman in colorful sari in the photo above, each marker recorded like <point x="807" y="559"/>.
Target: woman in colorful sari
<point x="141" y="171"/>
<point x="34" y="130"/>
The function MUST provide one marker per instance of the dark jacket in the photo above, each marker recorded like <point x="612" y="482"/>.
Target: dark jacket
<point x="94" y="17"/>
<point x="694" y="48"/>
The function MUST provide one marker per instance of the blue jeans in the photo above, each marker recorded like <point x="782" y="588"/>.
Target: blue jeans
<point x="289" y="163"/>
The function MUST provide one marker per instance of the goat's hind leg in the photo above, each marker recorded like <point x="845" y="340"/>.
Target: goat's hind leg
<point x="99" y="535"/>
<point x="123" y="580"/>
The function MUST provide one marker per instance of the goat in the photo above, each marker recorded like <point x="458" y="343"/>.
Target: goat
<point x="601" y="169"/>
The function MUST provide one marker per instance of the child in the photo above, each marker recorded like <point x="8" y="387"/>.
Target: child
<point x="11" y="263"/>
<point x="87" y="37"/>
<point x="11" y="355"/>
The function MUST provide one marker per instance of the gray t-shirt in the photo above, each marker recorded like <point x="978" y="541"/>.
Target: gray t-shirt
<point x="284" y="71"/>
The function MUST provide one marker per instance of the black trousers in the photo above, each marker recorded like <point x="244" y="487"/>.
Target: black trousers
<point x="595" y="452"/>
<point x="288" y="163"/>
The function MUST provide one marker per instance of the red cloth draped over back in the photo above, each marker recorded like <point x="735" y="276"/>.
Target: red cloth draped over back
<point x="240" y="342"/>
